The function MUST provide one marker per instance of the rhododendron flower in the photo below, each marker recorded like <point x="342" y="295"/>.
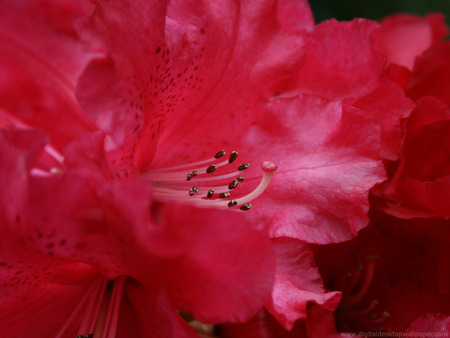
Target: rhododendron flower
<point x="132" y="210"/>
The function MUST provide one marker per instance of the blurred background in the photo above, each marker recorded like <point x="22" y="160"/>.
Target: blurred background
<point x="375" y="9"/>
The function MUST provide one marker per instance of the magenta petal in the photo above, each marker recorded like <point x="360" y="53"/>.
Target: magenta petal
<point x="339" y="60"/>
<point x="431" y="323"/>
<point x="327" y="157"/>
<point x="41" y="59"/>
<point x="178" y="80"/>
<point x="297" y="282"/>
<point x="222" y="270"/>
<point x="156" y="315"/>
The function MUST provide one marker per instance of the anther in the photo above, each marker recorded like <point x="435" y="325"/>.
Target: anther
<point x="80" y="336"/>
<point x="220" y="154"/>
<point x="194" y="173"/>
<point x="189" y="176"/>
<point x="195" y="189"/>
<point x="246" y="206"/>
<point x="191" y="192"/>
<point x="210" y="193"/>
<point x="243" y="166"/>
<point x="232" y="203"/>
<point x="90" y="335"/>
<point x="233" y="156"/>
<point x="233" y="184"/>
<point x="212" y="168"/>
<point x="224" y="195"/>
<point x="240" y="178"/>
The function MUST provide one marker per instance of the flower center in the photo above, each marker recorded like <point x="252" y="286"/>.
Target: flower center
<point x="208" y="183"/>
<point x="351" y="314"/>
<point x="101" y="305"/>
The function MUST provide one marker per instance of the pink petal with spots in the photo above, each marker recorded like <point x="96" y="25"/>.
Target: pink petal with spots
<point x="194" y="76"/>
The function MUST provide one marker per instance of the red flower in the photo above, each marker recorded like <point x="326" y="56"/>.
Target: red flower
<point x="168" y="85"/>
<point x="88" y="243"/>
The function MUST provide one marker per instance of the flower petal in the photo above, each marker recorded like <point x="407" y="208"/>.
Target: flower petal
<point x="41" y="59"/>
<point x="297" y="282"/>
<point x="223" y="271"/>
<point x="327" y="157"/>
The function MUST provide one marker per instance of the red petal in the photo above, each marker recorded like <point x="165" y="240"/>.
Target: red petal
<point x="297" y="282"/>
<point x="431" y="323"/>
<point x="327" y="161"/>
<point x="339" y="60"/>
<point x="214" y="265"/>
<point x="41" y="59"/>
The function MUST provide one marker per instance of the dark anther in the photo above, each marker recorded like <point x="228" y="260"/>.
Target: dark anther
<point x="243" y="166"/>
<point x="195" y="189"/>
<point x="79" y="336"/>
<point x="232" y="203"/>
<point x="194" y="173"/>
<point x="212" y="168"/>
<point x="240" y="178"/>
<point x="224" y="195"/>
<point x="191" y="192"/>
<point x="246" y="206"/>
<point x="220" y="154"/>
<point x="189" y="176"/>
<point x="210" y="193"/>
<point x="233" y="156"/>
<point x="233" y="184"/>
<point x="90" y="335"/>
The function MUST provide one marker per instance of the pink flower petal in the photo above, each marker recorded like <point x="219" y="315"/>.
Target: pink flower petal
<point x="431" y="323"/>
<point x="339" y="60"/>
<point x="327" y="157"/>
<point x="41" y="59"/>
<point x="297" y="282"/>
<point x="215" y="266"/>
<point x="403" y="37"/>
<point x="166" y="84"/>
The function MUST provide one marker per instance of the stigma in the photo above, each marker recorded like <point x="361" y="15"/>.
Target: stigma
<point x="213" y="182"/>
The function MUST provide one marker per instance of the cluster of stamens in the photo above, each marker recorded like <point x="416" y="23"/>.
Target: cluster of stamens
<point x="100" y="307"/>
<point x="175" y="183"/>
<point x="355" y="288"/>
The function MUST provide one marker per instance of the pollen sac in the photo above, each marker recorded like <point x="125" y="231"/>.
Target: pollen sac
<point x="80" y="336"/>
<point x="212" y="168"/>
<point x="91" y="335"/>
<point x="210" y="193"/>
<point x="232" y="203"/>
<point x="224" y="195"/>
<point x="191" y="192"/>
<point x="233" y="156"/>
<point x="243" y="166"/>
<point x="194" y="173"/>
<point x="246" y="206"/>
<point x="195" y="189"/>
<point x="233" y="184"/>
<point x="240" y="178"/>
<point x="189" y="176"/>
<point x="220" y="154"/>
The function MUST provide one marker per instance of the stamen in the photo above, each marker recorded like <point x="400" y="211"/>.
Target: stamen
<point x="220" y="154"/>
<point x="246" y="206"/>
<point x="232" y="203"/>
<point x="212" y="168"/>
<point x="243" y="166"/>
<point x="233" y="156"/>
<point x="233" y="184"/>
<point x="170" y="184"/>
